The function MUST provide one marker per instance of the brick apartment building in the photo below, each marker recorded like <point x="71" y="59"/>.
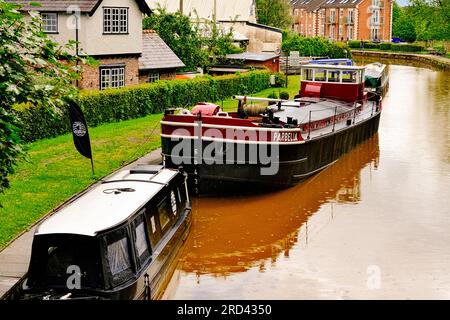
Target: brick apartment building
<point x="342" y="20"/>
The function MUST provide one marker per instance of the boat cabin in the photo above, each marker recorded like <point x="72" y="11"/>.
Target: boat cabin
<point x="115" y="241"/>
<point x="376" y="78"/>
<point x="344" y="83"/>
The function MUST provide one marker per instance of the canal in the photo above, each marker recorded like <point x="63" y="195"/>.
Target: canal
<point x="374" y="225"/>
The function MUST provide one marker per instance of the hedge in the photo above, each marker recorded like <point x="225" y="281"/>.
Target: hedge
<point x="385" y="46"/>
<point x="406" y="47"/>
<point x="115" y="105"/>
<point x="354" y="44"/>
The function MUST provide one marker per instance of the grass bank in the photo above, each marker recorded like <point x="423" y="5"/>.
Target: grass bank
<point x="53" y="171"/>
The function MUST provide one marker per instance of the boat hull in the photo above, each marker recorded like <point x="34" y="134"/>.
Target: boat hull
<point x="296" y="162"/>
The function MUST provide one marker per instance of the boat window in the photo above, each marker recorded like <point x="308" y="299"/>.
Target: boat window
<point x="334" y="76"/>
<point x="173" y="203"/>
<point x="118" y="256"/>
<point x="164" y="211"/>
<point x="307" y="74"/>
<point x="320" y="75"/>
<point x="350" y="76"/>
<point x="141" y="241"/>
<point x="55" y="256"/>
<point x="154" y="230"/>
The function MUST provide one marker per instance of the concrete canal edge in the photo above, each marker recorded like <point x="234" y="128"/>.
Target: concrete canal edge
<point x="15" y="256"/>
<point x="442" y="63"/>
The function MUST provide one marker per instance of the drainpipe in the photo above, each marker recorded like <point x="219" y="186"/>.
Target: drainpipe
<point x="76" y="44"/>
<point x="181" y="6"/>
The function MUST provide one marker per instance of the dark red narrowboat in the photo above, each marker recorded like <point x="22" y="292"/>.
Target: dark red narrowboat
<point x="273" y="143"/>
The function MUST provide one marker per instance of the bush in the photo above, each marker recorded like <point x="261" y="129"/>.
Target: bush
<point x="406" y="47"/>
<point x="385" y="46"/>
<point x="315" y="47"/>
<point x="371" y="45"/>
<point x="115" y="105"/>
<point x="284" y="95"/>
<point x="273" y="95"/>
<point x="354" y="44"/>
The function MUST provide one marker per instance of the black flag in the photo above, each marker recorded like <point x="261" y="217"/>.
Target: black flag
<point x="80" y="131"/>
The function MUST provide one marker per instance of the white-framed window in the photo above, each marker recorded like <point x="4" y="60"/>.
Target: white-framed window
<point x="340" y="30"/>
<point x="324" y="12"/>
<point x="112" y="77"/>
<point x="350" y="16"/>
<point x="376" y="17"/>
<point x="153" y="77"/>
<point x="332" y="32"/>
<point x="374" y="33"/>
<point x="296" y="12"/>
<point x="332" y="16"/>
<point x="115" y="20"/>
<point x="350" y="32"/>
<point x="50" y="22"/>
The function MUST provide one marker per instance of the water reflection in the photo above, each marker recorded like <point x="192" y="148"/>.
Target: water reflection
<point x="234" y="234"/>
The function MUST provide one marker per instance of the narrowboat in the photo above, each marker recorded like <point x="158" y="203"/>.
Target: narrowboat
<point x="275" y="145"/>
<point x="376" y="78"/>
<point x="118" y="240"/>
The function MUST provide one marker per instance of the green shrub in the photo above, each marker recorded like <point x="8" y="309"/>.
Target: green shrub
<point x="440" y="49"/>
<point x="284" y="95"/>
<point x="385" y="46"/>
<point x="354" y="44"/>
<point x="115" y="105"/>
<point x="273" y="95"/>
<point x="315" y="47"/>
<point x="371" y="45"/>
<point x="406" y="47"/>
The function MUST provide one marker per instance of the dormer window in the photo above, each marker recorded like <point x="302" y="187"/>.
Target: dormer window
<point x="49" y="22"/>
<point x="115" y="20"/>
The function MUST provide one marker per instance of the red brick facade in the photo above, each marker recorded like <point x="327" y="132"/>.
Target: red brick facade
<point x="339" y="21"/>
<point x="91" y="75"/>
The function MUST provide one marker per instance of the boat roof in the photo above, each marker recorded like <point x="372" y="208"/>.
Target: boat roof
<point x="321" y="108"/>
<point x="334" y="67"/>
<point x="375" y="70"/>
<point x="100" y="208"/>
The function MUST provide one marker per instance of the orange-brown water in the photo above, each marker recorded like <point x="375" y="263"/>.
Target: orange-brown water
<point x="374" y="225"/>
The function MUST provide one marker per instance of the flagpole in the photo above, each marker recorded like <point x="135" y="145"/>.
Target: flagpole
<point x="92" y="166"/>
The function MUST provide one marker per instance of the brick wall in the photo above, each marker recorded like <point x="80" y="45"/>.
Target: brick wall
<point x="91" y="75"/>
<point x="365" y="11"/>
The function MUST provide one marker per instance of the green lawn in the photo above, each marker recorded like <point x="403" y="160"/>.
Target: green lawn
<point x="54" y="171"/>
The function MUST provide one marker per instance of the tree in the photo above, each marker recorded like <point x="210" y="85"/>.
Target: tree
<point x="275" y="13"/>
<point x="315" y="46"/>
<point x="33" y="70"/>
<point x="422" y="20"/>
<point x="194" y="42"/>
<point x="403" y="26"/>
<point x="180" y="35"/>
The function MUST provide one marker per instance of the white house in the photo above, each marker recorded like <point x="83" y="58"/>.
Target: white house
<point x="240" y="15"/>
<point x="108" y="30"/>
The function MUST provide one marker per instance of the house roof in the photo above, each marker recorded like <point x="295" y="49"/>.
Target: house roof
<point x="156" y="54"/>
<point x="340" y="3"/>
<point x="251" y="56"/>
<point x="308" y="5"/>
<point x="86" y="6"/>
<point x="313" y="5"/>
